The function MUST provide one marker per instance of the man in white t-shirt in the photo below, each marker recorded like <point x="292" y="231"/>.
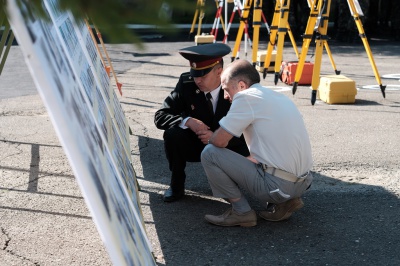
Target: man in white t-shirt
<point x="277" y="172"/>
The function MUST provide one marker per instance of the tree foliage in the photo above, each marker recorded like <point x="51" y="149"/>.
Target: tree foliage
<point x="112" y="16"/>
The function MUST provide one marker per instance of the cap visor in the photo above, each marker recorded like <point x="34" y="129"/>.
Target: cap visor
<point x="199" y="73"/>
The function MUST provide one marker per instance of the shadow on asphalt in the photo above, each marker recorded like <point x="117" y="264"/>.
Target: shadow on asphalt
<point x="335" y="228"/>
<point x="35" y="173"/>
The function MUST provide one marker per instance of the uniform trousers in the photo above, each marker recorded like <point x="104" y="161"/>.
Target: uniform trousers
<point x="227" y="171"/>
<point x="181" y="146"/>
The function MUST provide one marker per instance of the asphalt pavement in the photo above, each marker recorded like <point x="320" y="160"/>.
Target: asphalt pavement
<point x="351" y="214"/>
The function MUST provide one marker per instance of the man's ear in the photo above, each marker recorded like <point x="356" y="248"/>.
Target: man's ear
<point x="242" y="85"/>
<point x="220" y="69"/>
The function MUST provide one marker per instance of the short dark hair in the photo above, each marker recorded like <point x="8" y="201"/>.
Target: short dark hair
<point x="244" y="71"/>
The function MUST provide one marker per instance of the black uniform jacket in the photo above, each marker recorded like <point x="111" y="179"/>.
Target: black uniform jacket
<point x="188" y="101"/>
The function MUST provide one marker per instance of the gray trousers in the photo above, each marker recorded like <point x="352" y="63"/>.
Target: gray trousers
<point x="227" y="171"/>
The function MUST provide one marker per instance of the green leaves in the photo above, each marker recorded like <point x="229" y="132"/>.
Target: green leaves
<point x="112" y="16"/>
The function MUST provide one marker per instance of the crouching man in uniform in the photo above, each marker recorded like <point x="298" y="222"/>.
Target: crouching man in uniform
<point x="190" y="114"/>
<point x="278" y="169"/>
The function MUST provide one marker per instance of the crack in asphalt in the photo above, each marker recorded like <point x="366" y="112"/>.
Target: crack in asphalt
<point x="7" y="244"/>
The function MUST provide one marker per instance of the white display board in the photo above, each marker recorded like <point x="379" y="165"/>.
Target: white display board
<point x="89" y="121"/>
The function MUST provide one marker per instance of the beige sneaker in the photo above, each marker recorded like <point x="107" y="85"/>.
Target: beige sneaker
<point x="232" y="218"/>
<point x="282" y="211"/>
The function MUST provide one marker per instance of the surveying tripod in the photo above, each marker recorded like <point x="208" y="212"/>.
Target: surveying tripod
<point x="279" y="28"/>
<point x="199" y="13"/>
<point x="318" y="24"/>
<point x="218" y="18"/>
<point x="257" y="15"/>
<point x="243" y="24"/>
<point x="238" y="8"/>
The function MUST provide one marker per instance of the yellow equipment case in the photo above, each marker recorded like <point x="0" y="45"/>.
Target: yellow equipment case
<point x="203" y="39"/>
<point x="337" y="89"/>
<point x="261" y="59"/>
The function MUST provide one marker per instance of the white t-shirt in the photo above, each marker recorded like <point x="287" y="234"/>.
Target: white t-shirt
<point x="273" y="128"/>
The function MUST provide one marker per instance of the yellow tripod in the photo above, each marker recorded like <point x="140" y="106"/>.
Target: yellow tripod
<point x="363" y="37"/>
<point x="279" y="28"/>
<point x="243" y="25"/>
<point x="237" y="8"/>
<point x="318" y="24"/>
<point x="199" y="13"/>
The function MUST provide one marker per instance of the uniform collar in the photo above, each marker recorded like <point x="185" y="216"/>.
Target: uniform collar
<point x="214" y="93"/>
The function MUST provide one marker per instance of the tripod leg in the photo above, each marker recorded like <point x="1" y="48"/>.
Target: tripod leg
<point x="243" y="23"/>
<point x="366" y="45"/>
<point x="293" y="41"/>
<point x="97" y="46"/>
<point x="214" y="28"/>
<point x="222" y="23"/>
<point x="256" y="29"/>
<point x="199" y="10"/>
<point x="247" y="39"/>
<point x="272" y="38"/>
<point x="317" y="70"/>
<point x="320" y="40"/>
<point x="265" y="22"/>
<point x="328" y="51"/>
<point x="282" y="29"/>
<point x="196" y="14"/>
<point x="119" y="85"/>
<point x="201" y="15"/>
<point x="307" y="37"/>
<point x="225" y="40"/>
<point x="217" y="26"/>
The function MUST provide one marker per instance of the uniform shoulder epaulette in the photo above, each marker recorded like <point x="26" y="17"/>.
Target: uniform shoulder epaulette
<point x="187" y="78"/>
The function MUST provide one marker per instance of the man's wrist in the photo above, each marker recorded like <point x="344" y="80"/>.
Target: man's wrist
<point x="183" y="123"/>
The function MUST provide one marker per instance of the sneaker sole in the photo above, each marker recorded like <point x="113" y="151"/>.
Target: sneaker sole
<point x="243" y="224"/>
<point x="249" y="224"/>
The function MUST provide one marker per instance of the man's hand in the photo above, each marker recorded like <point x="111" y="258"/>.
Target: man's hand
<point x="220" y="138"/>
<point x="252" y="159"/>
<point x="196" y="125"/>
<point x="204" y="135"/>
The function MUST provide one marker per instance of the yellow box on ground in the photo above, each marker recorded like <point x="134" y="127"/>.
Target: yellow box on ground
<point x="261" y="59"/>
<point x="203" y="39"/>
<point x="337" y="89"/>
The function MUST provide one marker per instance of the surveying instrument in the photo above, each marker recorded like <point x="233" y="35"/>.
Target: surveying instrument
<point x="218" y="18"/>
<point x="257" y="15"/>
<point x="317" y="26"/>
<point x="198" y="14"/>
<point x="238" y="7"/>
<point x="279" y="28"/>
<point x="257" y="10"/>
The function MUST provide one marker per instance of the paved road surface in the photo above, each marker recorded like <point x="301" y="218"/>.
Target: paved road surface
<point x="351" y="214"/>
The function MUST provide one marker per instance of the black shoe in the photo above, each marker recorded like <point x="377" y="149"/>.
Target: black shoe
<point x="170" y="196"/>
